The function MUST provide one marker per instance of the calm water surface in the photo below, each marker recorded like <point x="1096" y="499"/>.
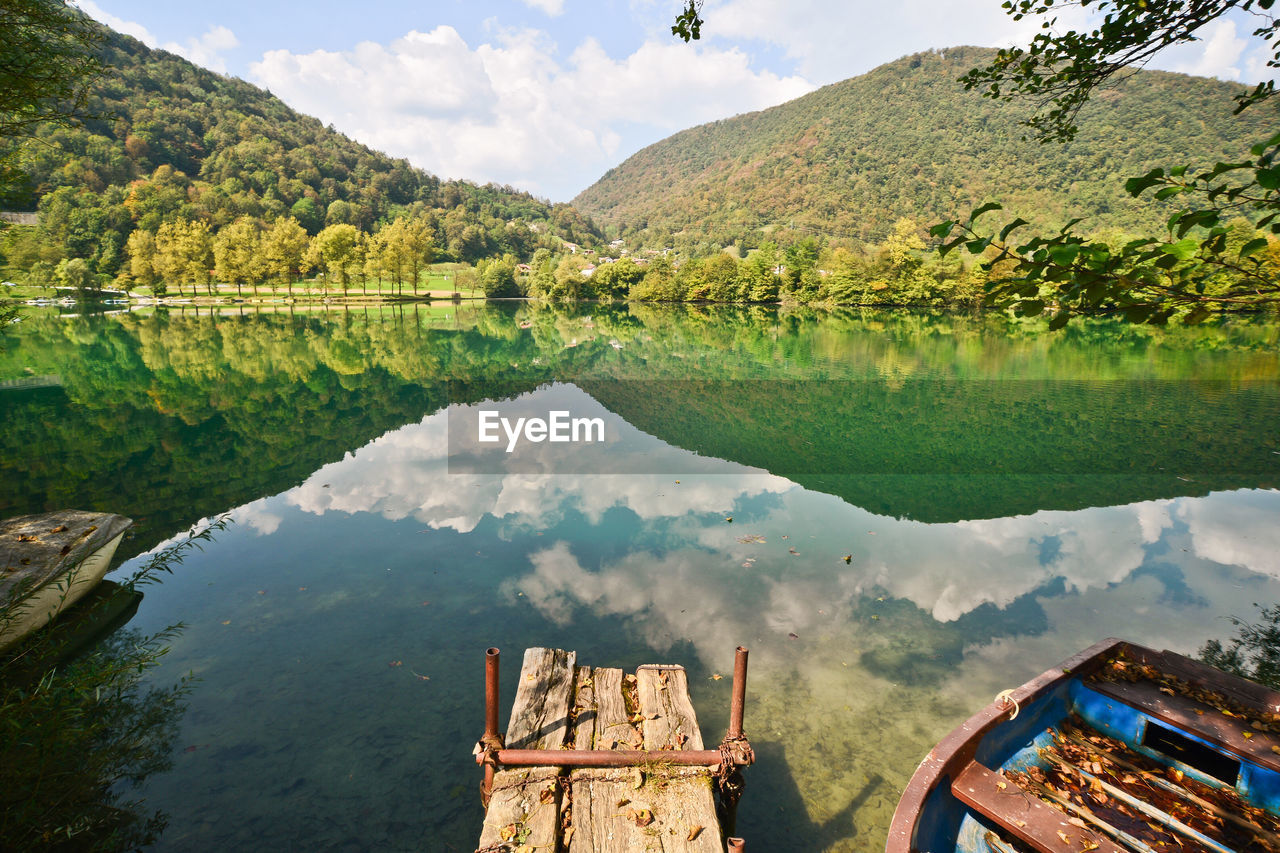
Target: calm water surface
<point x="1005" y="497"/>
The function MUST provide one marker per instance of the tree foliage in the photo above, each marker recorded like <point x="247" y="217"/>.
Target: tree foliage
<point x="1192" y="268"/>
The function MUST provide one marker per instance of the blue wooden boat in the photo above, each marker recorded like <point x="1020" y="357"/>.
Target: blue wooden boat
<point x="1120" y="749"/>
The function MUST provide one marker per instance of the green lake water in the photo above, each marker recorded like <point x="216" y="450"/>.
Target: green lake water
<point x="1004" y="496"/>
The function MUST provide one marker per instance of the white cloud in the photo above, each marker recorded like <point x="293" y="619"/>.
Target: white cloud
<point x="1219" y="52"/>
<point x="834" y="41"/>
<point x="120" y="25"/>
<point x="550" y="7"/>
<point x="509" y="111"/>
<point x="205" y="50"/>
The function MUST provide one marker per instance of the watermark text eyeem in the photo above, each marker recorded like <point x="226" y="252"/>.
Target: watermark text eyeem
<point x="557" y="427"/>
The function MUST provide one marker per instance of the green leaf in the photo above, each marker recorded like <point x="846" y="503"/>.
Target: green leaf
<point x="1064" y="255"/>
<point x="1183" y="250"/>
<point x="1031" y="307"/>
<point x="1059" y="320"/>
<point x="1197" y="315"/>
<point x="1253" y="246"/>
<point x="1017" y="223"/>
<point x="1269" y="179"/>
<point x="1167" y="192"/>
<point x="1136" y="186"/>
<point x="986" y="208"/>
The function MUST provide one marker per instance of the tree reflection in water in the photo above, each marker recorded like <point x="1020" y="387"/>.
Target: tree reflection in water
<point x="78" y="730"/>
<point x="1254" y="652"/>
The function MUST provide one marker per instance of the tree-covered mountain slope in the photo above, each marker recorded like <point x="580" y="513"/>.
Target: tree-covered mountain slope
<point x="166" y="140"/>
<point x="906" y="139"/>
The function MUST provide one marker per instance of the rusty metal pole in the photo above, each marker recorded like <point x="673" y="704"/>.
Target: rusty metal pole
<point x="739" y="694"/>
<point x="735" y="845"/>
<point x="490" y="717"/>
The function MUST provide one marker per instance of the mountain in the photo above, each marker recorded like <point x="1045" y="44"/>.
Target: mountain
<point x="906" y="139"/>
<point x="165" y="139"/>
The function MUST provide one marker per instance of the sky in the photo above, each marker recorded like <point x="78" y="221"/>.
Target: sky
<point x="548" y="95"/>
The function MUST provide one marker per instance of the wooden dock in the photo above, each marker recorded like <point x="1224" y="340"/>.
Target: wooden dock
<point x="596" y="760"/>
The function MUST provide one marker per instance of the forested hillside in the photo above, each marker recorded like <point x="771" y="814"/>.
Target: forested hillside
<point x="906" y="140"/>
<point x="168" y="142"/>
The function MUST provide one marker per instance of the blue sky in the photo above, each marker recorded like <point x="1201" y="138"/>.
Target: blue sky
<point x="547" y="95"/>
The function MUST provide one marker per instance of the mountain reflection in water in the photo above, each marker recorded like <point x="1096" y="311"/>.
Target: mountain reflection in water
<point x="338" y="625"/>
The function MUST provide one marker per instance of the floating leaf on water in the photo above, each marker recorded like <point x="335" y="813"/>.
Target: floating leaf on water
<point x="394" y="663"/>
<point x="793" y="636"/>
<point x="715" y="676"/>
<point x="226" y="622"/>
<point x="729" y="518"/>
<point x="848" y="558"/>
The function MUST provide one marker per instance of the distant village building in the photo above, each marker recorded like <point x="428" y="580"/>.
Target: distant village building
<point x="525" y="268"/>
<point x="588" y="270"/>
<point x="617" y="244"/>
<point x="572" y="247"/>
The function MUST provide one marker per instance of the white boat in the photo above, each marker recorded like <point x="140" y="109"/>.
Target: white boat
<point x="48" y="562"/>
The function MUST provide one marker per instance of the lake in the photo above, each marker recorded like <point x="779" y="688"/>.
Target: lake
<point x="899" y="514"/>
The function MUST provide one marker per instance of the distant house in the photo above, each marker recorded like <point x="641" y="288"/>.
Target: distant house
<point x="572" y="247"/>
<point x="588" y="270"/>
<point x="617" y="244"/>
<point x="525" y="268"/>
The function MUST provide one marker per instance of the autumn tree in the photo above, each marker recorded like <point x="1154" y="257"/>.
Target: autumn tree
<point x="184" y="252"/>
<point x="284" y="246"/>
<point x="237" y="253"/>
<point x="336" y="249"/>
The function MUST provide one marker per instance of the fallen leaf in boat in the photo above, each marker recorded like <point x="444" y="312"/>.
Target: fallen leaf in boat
<point x="1075" y="821"/>
<point x="622" y="802"/>
<point x="568" y="833"/>
<point x="1064" y="838"/>
<point x="1020" y="822"/>
<point x="637" y="779"/>
<point x="525" y="848"/>
<point x="547" y="794"/>
<point x="1167" y="690"/>
<point x="1088" y="845"/>
<point x="507" y="832"/>
<point x="1247" y="735"/>
<point x="642" y="817"/>
<point x="1002" y="785"/>
<point x="1276" y="749"/>
<point x="61" y="528"/>
<point x="694" y="833"/>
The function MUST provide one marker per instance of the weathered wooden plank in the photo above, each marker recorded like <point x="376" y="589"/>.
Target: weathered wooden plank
<point x="1024" y="816"/>
<point x="684" y="811"/>
<point x="602" y="796"/>
<point x="664" y="692"/>
<point x="525" y="803"/>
